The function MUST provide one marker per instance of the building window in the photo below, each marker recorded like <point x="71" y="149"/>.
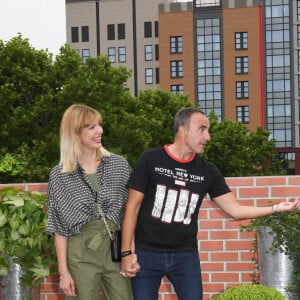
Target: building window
<point x="111" y="32"/>
<point x="157" y="75"/>
<point x="177" y="88"/>
<point x="85" y="54"/>
<point x="156" y="28"/>
<point x="121" y="31"/>
<point x="298" y="60"/>
<point x="148" y="76"/>
<point x="279" y="111"/>
<point x="148" y="52"/>
<point x="279" y="55"/>
<point x="242" y="90"/>
<point x="156" y="52"/>
<point x="74" y="35"/>
<point x="208" y="66"/>
<point x="147" y="29"/>
<point x="112" y="54"/>
<point x="289" y="159"/>
<point x="298" y="10"/>
<point x="241" y="65"/>
<point x="122" y="54"/>
<point x="175" y="44"/>
<point x="205" y="3"/>
<point x="241" y="40"/>
<point x="278" y="9"/>
<point x="176" y="68"/>
<point x="277" y="36"/>
<point x="85" y="33"/>
<point x="278" y="61"/>
<point x="242" y="114"/>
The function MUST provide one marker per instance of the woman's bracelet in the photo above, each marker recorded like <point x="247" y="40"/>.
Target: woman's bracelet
<point x="62" y="276"/>
<point x="275" y="209"/>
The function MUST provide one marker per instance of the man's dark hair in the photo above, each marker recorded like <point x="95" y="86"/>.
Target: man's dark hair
<point x="182" y="117"/>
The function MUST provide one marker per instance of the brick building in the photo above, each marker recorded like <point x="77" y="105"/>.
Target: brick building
<point x="239" y="58"/>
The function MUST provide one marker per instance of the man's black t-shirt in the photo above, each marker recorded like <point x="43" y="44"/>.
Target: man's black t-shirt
<point x="174" y="190"/>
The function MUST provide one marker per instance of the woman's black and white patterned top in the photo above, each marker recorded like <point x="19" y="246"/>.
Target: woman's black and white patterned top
<point x="71" y="198"/>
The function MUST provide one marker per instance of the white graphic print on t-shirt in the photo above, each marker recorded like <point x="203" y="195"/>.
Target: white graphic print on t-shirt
<point x="172" y="205"/>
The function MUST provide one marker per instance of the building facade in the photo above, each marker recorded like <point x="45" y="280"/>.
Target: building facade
<point x="240" y="58"/>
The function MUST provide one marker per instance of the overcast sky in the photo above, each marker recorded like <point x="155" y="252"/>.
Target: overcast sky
<point x="43" y="22"/>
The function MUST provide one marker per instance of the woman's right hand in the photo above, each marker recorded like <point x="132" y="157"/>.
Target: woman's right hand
<point x="67" y="284"/>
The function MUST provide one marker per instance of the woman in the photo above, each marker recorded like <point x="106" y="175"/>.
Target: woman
<point x="86" y="196"/>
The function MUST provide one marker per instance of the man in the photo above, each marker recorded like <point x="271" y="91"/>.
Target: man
<point x="166" y="190"/>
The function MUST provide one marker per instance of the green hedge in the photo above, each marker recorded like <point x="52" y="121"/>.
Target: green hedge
<point x="251" y="292"/>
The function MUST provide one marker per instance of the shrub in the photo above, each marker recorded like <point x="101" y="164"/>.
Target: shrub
<point x="251" y="292"/>
<point x="23" y="218"/>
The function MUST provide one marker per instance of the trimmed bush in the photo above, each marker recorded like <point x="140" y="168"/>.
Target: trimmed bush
<point x="251" y="292"/>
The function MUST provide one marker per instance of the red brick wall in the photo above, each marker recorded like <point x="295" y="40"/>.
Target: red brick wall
<point x="224" y="250"/>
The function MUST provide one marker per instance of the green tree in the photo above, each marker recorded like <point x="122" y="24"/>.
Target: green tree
<point x="24" y="87"/>
<point x="239" y="152"/>
<point x="143" y="122"/>
<point x="35" y="91"/>
<point x="23" y="82"/>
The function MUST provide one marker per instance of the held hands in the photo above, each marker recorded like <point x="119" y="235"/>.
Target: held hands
<point x="286" y="206"/>
<point x="129" y="266"/>
<point x="67" y="284"/>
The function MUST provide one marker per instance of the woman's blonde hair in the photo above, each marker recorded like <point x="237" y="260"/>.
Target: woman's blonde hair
<point x="75" y="118"/>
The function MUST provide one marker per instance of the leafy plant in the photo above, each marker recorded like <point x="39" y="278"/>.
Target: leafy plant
<point x="22" y="235"/>
<point x="285" y="229"/>
<point x="251" y="292"/>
